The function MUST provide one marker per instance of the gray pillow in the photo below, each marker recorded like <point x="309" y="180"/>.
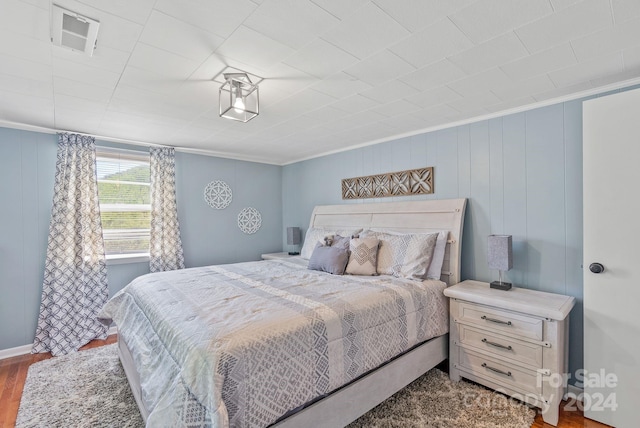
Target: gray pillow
<point x="329" y="259"/>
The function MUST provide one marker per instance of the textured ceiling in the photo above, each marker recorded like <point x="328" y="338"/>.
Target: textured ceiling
<point x="337" y="73"/>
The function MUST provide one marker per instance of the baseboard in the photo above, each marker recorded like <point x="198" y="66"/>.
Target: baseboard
<point x="26" y="349"/>
<point x="574" y="391"/>
<point x="14" y="352"/>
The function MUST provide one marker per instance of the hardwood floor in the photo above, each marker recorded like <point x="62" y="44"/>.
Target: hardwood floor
<point x="13" y="373"/>
<point x="573" y="419"/>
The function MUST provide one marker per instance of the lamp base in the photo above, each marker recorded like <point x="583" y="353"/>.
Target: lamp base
<point x="504" y="286"/>
<point x="293" y="253"/>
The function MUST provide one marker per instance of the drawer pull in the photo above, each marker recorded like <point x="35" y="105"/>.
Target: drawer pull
<point x="493" y="369"/>
<point x="484" y="317"/>
<point x="497" y="345"/>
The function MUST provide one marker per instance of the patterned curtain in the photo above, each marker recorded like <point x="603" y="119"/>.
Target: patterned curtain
<point x="75" y="274"/>
<point x="165" y="246"/>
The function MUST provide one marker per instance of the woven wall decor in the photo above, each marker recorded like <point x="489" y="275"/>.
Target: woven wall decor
<point x="218" y="194"/>
<point x="402" y="183"/>
<point x="249" y="220"/>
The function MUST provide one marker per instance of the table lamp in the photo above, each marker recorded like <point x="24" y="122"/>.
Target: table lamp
<point x="293" y="238"/>
<point x="500" y="256"/>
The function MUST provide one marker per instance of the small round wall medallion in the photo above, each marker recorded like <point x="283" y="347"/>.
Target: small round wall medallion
<point x="218" y="194"/>
<point x="249" y="220"/>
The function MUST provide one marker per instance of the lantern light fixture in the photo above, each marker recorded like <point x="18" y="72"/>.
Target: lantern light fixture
<point x="239" y="97"/>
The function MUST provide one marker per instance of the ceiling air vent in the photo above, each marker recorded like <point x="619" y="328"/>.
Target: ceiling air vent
<point x="73" y="31"/>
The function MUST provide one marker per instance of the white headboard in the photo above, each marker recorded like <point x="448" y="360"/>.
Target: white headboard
<point x="405" y="216"/>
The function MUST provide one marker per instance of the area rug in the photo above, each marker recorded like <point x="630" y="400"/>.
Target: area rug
<point x="84" y="389"/>
<point x="90" y="389"/>
<point x="435" y="401"/>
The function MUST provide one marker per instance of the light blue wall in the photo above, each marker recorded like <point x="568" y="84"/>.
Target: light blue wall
<point x="522" y="175"/>
<point x="212" y="236"/>
<point x="27" y="169"/>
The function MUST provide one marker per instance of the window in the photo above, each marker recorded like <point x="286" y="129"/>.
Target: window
<point x="124" y="183"/>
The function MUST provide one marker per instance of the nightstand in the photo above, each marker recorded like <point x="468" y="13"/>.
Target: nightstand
<point x="275" y="256"/>
<point x="512" y="341"/>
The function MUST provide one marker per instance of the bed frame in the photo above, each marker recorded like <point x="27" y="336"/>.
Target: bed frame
<point x="358" y="397"/>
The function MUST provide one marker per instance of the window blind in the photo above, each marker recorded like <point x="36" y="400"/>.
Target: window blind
<point x="125" y="207"/>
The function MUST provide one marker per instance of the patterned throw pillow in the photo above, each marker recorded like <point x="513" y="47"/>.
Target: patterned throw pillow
<point x="405" y="255"/>
<point x="363" y="259"/>
<point x="315" y="235"/>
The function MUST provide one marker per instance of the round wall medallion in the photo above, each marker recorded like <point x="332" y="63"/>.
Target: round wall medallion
<point x="249" y="220"/>
<point x="218" y="194"/>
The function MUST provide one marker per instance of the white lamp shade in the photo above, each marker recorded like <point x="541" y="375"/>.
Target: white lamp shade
<point x="500" y="253"/>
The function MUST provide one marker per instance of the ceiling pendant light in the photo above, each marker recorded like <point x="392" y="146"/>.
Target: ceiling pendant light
<point x="238" y="97"/>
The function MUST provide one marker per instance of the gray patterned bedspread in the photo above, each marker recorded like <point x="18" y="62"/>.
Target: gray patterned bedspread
<point x="243" y="344"/>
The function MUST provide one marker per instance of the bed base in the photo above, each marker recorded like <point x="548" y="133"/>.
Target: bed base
<point x="132" y="376"/>
<point x="347" y="403"/>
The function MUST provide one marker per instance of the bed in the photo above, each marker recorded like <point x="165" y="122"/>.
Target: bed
<point x="272" y="343"/>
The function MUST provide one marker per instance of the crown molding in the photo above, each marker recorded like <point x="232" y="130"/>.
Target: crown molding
<point x="258" y="159"/>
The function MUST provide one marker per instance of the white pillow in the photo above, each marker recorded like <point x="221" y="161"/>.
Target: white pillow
<point x="315" y="235"/>
<point x="435" y="268"/>
<point x="404" y="255"/>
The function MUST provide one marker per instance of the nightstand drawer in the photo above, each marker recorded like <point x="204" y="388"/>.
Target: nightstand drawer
<point x="514" y="377"/>
<point x="499" y="320"/>
<point x="502" y="347"/>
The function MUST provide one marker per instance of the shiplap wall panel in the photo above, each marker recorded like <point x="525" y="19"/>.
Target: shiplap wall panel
<point x="464" y="163"/>
<point x="522" y="174"/>
<point x="401" y="154"/>
<point x="515" y="182"/>
<point x="418" y="150"/>
<point x="35" y="224"/>
<point x="211" y="236"/>
<point x="120" y="275"/>
<point x="254" y="185"/>
<point x="496" y="164"/>
<point x="432" y="155"/>
<point x="573" y="221"/>
<point x="573" y="186"/>
<point x="45" y="169"/>
<point x="12" y="249"/>
<point x="481" y="196"/>
<point x="546" y="198"/>
<point x="464" y="191"/>
<point x="25" y="184"/>
<point x="446" y="170"/>
<point x="367" y="166"/>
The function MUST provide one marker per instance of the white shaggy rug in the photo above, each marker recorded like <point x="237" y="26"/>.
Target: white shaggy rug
<point x="84" y="389"/>
<point x="434" y="401"/>
<point x="90" y="389"/>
